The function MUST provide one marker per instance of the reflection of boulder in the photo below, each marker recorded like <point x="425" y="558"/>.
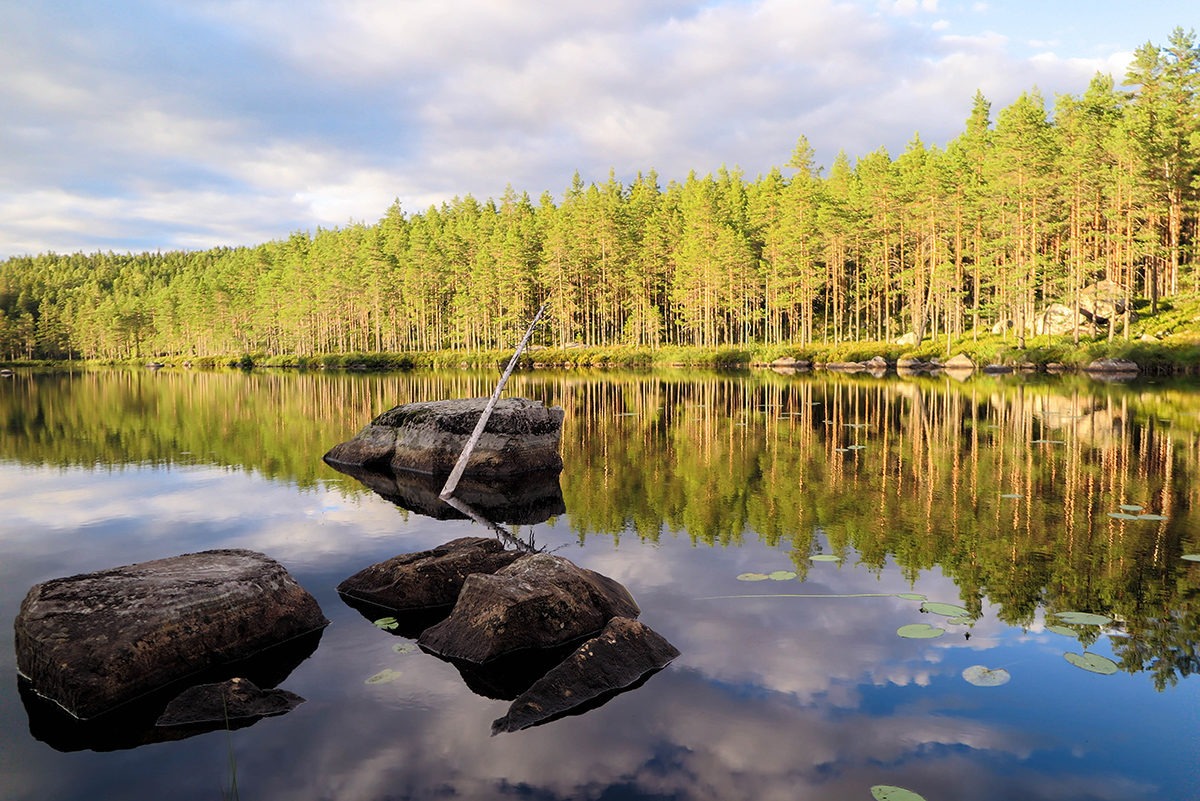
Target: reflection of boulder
<point x="521" y="500"/>
<point x="136" y="723"/>
<point x="521" y="436"/>
<point x="539" y="601"/>
<point x="93" y="642"/>
<point x="428" y="579"/>
<point x="619" y="658"/>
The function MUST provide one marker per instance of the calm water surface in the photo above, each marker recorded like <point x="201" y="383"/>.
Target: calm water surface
<point x="994" y="494"/>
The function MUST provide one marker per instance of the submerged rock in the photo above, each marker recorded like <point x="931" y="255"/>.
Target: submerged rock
<point x="521" y="436"/>
<point x="539" y="601"/>
<point x="427" y="579"/>
<point x="237" y="700"/>
<point x="93" y="642"/>
<point x="620" y="658"/>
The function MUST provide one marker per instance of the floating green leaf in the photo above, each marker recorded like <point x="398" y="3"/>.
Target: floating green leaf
<point x="1011" y="495"/>
<point x="388" y="623"/>
<point x="1049" y="442"/>
<point x="1130" y="507"/>
<point x="946" y="610"/>
<point x="887" y="792"/>
<point x="855" y="447"/>
<point x="841" y="450"/>
<point x="782" y="575"/>
<point x="1191" y="557"/>
<point x="753" y="577"/>
<point x="384" y="676"/>
<point x="824" y="557"/>
<point x="960" y="620"/>
<point x="404" y="648"/>
<point x="1063" y="630"/>
<point x="920" y="631"/>
<point x="1092" y="662"/>
<point x="982" y="676"/>
<point x="1083" y="618"/>
<point x="911" y="596"/>
<point x="1122" y="516"/>
<point x="1151" y="517"/>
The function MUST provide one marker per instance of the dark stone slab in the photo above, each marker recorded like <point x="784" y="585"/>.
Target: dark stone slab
<point x="521" y="436"/>
<point x="619" y="658"/>
<point x="539" y="601"/>
<point x="236" y="700"/>
<point x="427" y="579"/>
<point x="93" y="642"/>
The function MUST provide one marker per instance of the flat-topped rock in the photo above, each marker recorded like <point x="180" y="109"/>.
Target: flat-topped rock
<point x="1111" y="366"/>
<point x="427" y="579"/>
<point x="95" y="641"/>
<point x="521" y="436"/>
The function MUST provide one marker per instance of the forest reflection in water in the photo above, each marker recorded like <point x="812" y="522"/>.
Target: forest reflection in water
<point x="1020" y="490"/>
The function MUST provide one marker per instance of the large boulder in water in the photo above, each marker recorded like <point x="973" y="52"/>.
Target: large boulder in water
<point x="95" y="641"/>
<point x="620" y="658"/>
<point x="427" y="579"/>
<point x="539" y="601"/>
<point x="521" y="436"/>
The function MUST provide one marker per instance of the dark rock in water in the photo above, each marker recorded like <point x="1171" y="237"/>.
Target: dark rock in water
<point x="525" y="500"/>
<point x="539" y="601"/>
<point x="521" y="436"/>
<point x="134" y="724"/>
<point x="235" y="700"/>
<point x="427" y="579"/>
<point x="93" y="642"/>
<point x="619" y="658"/>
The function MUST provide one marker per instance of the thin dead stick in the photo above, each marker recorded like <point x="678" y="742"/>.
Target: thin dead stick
<point x="461" y="465"/>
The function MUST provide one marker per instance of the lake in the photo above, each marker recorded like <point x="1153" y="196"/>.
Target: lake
<point x="777" y="529"/>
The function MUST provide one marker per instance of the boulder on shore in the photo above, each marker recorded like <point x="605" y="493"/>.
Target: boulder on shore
<point x="960" y="361"/>
<point x="1111" y="366"/>
<point x="427" y="579"/>
<point x="521" y="436"/>
<point x="93" y="642"/>
<point x="621" y="657"/>
<point x="539" y="601"/>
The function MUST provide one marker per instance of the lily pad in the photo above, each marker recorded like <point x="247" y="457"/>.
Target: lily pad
<point x="911" y="596"/>
<point x="1092" y="662"/>
<point x="1151" y="517"/>
<point x="384" y="676"/>
<point x="824" y="557"/>
<point x="1083" y="618"/>
<point x="1191" y="557"/>
<point x="841" y="450"/>
<point x="887" y="792"/>
<point x="1063" y="630"/>
<point x="1011" y="495"/>
<point x="946" y="610"/>
<point x="752" y="577"/>
<point x="1122" y="516"/>
<point x="920" y="631"/>
<point x="1049" y="442"/>
<point x="856" y="447"/>
<point x="960" y="620"/>
<point x="982" y="676"/>
<point x="1130" y="507"/>
<point x="388" y="623"/>
<point x="782" y="575"/>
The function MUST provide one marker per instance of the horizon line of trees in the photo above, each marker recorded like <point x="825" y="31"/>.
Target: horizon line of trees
<point x="1013" y="213"/>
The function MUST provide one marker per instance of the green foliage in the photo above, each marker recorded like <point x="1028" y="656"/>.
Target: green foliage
<point x="937" y="245"/>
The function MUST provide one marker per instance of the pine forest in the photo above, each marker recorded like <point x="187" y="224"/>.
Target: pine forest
<point x="1031" y="204"/>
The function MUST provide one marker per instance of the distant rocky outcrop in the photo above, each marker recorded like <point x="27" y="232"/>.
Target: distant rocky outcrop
<point x="93" y="642"/>
<point x="521" y="436"/>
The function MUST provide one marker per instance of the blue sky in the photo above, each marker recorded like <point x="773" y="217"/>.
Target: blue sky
<point x="173" y="124"/>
